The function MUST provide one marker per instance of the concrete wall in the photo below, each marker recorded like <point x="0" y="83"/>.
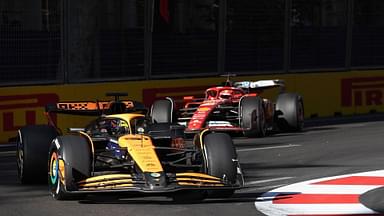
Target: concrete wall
<point x="325" y="94"/>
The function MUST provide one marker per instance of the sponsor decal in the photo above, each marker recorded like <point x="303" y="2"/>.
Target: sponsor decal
<point x="57" y="143"/>
<point x="204" y="109"/>
<point x="23" y="108"/>
<point x="90" y="105"/>
<point x="155" y="175"/>
<point x="219" y="123"/>
<point x="209" y="103"/>
<point x="366" y="91"/>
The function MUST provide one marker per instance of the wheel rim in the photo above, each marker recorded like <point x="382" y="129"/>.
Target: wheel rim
<point x="263" y="124"/>
<point x="260" y="123"/>
<point x="20" y="161"/>
<point x="54" y="168"/>
<point x="300" y="116"/>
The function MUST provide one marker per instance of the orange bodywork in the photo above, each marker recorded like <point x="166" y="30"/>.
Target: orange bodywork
<point x="142" y="151"/>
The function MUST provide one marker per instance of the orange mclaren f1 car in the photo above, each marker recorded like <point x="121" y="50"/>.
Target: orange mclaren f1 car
<point x="129" y="153"/>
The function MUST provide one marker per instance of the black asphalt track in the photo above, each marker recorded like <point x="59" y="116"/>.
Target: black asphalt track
<point x="326" y="147"/>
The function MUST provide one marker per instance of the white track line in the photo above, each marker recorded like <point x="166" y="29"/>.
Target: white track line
<point x="266" y="148"/>
<point x="332" y="189"/>
<point x="266" y="180"/>
<point x="249" y="189"/>
<point x="253" y="185"/>
<point x="317" y="209"/>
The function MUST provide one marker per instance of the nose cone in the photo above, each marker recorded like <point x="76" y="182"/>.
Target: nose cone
<point x="155" y="180"/>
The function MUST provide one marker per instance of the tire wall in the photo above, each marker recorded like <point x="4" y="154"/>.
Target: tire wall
<point x="325" y="94"/>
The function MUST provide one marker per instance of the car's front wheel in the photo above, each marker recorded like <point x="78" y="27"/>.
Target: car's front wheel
<point x="220" y="161"/>
<point x="252" y="117"/>
<point x="162" y="111"/>
<point x="69" y="162"/>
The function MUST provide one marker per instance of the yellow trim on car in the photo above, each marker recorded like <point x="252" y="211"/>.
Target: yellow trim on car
<point x="122" y="186"/>
<point x="199" y="184"/>
<point x="197" y="180"/>
<point x="62" y="171"/>
<point x="201" y="175"/>
<point x="107" y="183"/>
<point x="105" y="178"/>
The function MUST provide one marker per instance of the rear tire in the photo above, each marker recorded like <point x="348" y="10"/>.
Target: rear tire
<point x="32" y="147"/>
<point x="75" y="156"/>
<point x="290" y="112"/>
<point x="162" y="111"/>
<point x="220" y="154"/>
<point x="252" y="118"/>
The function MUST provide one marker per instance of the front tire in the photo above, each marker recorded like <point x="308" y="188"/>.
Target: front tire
<point x="220" y="161"/>
<point x="32" y="147"/>
<point x="252" y="117"/>
<point x="162" y="111"/>
<point x="69" y="162"/>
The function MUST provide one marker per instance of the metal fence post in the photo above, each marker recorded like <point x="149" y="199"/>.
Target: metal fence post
<point x="222" y="31"/>
<point x="287" y="36"/>
<point x="64" y="21"/>
<point x="349" y="34"/>
<point x="148" y="30"/>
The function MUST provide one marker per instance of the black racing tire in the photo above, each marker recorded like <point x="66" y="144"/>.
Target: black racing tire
<point x="289" y="112"/>
<point x="32" y="147"/>
<point x="162" y="111"/>
<point x="252" y="117"/>
<point x="220" y="160"/>
<point x="75" y="155"/>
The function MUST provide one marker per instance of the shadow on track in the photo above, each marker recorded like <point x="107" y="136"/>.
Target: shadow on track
<point x="258" y="166"/>
<point x="358" y="118"/>
<point x="102" y="199"/>
<point x="374" y="200"/>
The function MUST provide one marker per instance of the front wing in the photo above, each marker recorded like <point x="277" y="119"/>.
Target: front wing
<point x="154" y="183"/>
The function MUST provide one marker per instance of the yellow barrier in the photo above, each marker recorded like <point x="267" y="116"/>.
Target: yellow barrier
<point x="325" y="94"/>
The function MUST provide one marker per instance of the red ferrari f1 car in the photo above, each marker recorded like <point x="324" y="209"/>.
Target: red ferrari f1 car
<point x="239" y="107"/>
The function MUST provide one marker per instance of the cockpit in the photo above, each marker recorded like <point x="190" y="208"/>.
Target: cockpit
<point x="226" y="94"/>
<point x="211" y="94"/>
<point x="108" y="127"/>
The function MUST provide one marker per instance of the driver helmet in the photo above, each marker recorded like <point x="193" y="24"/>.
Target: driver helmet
<point x="226" y="94"/>
<point x="119" y="127"/>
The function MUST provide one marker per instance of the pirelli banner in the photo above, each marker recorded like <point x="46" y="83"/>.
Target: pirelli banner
<point x="325" y="94"/>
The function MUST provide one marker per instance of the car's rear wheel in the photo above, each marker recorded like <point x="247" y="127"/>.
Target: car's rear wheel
<point x="220" y="161"/>
<point x="252" y="118"/>
<point x="32" y="147"/>
<point x="162" y="111"/>
<point x="69" y="162"/>
<point x="290" y="112"/>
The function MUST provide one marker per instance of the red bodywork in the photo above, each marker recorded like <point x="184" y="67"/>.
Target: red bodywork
<point x="224" y="100"/>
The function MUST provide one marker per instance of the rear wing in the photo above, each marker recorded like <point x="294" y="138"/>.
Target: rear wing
<point x="92" y="108"/>
<point x="260" y="84"/>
